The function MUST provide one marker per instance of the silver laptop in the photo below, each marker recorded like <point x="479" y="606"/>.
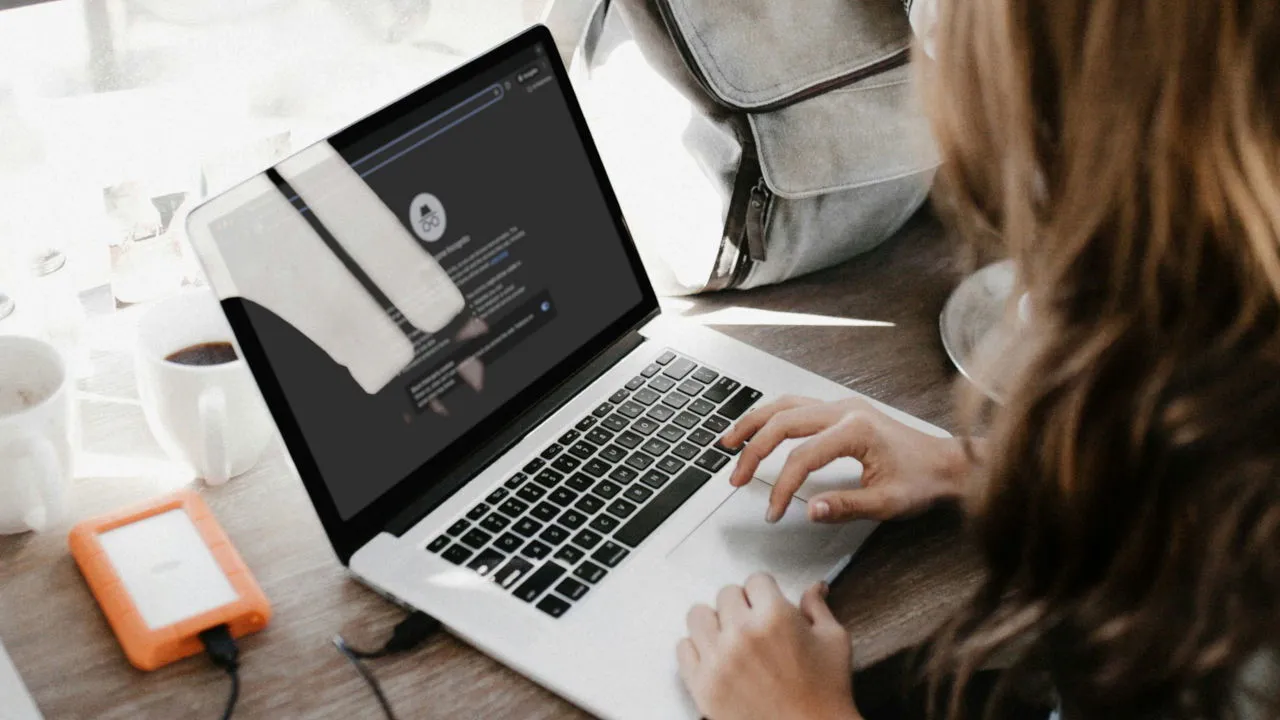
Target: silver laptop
<point x="450" y="324"/>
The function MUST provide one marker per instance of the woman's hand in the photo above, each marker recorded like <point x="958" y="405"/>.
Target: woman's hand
<point x="758" y="656"/>
<point x="904" y="471"/>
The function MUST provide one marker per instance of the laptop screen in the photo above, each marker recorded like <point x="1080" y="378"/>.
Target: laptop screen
<point x="408" y="278"/>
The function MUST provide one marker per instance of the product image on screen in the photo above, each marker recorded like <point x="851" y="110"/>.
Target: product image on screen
<point x="409" y="276"/>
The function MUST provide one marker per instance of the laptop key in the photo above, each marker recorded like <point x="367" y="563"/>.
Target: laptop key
<point x="572" y="519"/>
<point x="438" y="544"/>
<point x="712" y="460"/>
<point x="545" y="511"/>
<point x="563" y="496"/>
<point x="495" y="523"/>
<point x="676" y="400"/>
<point x="613" y="454"/>
<point x="671" y="433"/>
<point x="514" y="481"/>
<point x="661" y="506"/>
<point x="606" y="489"/>
<point x="716" y="424"/>
<point x="660" y="413"/>
<point x="670" y="465"/>
<point x="621" y="508"/>
<point x="569" y="437"/>
<point x="739" y="403"/>
<point x="665" y="358"/>
<point x="553" y="606"/>
<point x="508" y="542"/>
<point x="487" y="561"/>
<point x="536" y="550"/>
<point x="566" y="464"/>
<point x="705" y="375"/>
<point x="686" y="420"/>
<point x="645" y="426"/>
<point x="548" y="478"/>
<point x="604" y="523"/>
<point x="619" y="396"/>
<point x="513" y="508"/>
<point x="701" y="407"/>
<point x="511" y="573"/>
<point x="728" y="450"/>
<point x="702" y="436"/>
<point x="527" y="527"/>
<point x="599" y="436"/>
<point x="476" y="538"/>
<point x="587" y="539"/>
<point x="477" y="512"/>
<point x="638" y="494"/>
<point x="662" y="384"/>
<point x="691" y="387"/>
<point x="629" y="440"/>
<point x="572" y="589"/>
<point x="582" y="450"/>
<point x="589" y="504"/>
<point x="579" y="482"/>
<point x="551" y="451"/>
<point x="656" y="446"/>
<point x="615" y="422"/>
<point x="602" y="409"/>
<point x="530" y="493"/>
<point x="456" y="554"/>
<point x="496" y="496"/>
<point x="553" y="535"/>
<point x="596" y="467"/>
<point x="623" y="474"/>
<point x="721" y="391"/>
<point x="590" y="572"/>
<point x="646" y="397"/>
<point x="539" y="581"/>
<point x="570" y="554"/>
<point x="635" y="383"/>
<point x="585" y="423"/>
<point x="458" y="528"/>
<point x="610" y="554"/>
<point x="631" y="409"/>
<point x="534" y="466"/>
<point x="655" y="479"/>
<point x="651" y="370"/>
<point x="639" y="460"/>
<point x="678" y="369"/>
<point x="686" y="451"/>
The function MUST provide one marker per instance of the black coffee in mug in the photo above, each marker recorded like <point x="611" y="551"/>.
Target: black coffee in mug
<point x="210" y="353"/>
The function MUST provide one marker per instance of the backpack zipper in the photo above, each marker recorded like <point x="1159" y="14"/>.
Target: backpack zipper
<point x="895" y="60"/>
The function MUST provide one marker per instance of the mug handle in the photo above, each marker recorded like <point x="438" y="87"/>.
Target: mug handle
<point x="41" y="472"/>
<point x="213" y="431"/>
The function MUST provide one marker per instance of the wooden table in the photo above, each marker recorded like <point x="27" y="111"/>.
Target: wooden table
<point x="905" y="579"/>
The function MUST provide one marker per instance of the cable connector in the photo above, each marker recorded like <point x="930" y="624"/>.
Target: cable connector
<point x="224" y="653"/>
<point x="407" y="635"/>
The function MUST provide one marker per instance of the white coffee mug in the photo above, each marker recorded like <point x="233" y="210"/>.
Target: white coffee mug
<point x="36" y="434"/>
<point x="209" y="417"/>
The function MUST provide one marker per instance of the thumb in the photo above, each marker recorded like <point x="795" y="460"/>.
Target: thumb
<point x="862" y="503"/>
<point x="814" y="605"/>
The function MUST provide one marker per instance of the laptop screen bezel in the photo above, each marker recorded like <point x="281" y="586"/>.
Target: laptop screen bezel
<point x="347" y="536"/>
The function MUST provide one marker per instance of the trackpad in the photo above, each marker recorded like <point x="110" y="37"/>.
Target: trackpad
<point x="735" y="541"/>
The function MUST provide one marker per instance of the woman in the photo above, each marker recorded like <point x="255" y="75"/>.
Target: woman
<point x="1126" y="500"/>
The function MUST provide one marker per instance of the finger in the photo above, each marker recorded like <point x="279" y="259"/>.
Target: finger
<point x="794" y="423"/>
<point x="877" y="503"/>
<point x="814" y="606"/>
<point x="687" y="658"/>
<point x="849" y="438"/>
<point x="731" y="605"/>
<point x="704" y="626"/>
<point x="746" y="427"/>
<point x="762" y="591"/>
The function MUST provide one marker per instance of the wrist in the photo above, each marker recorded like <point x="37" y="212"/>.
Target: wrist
<point x="957" y="465"/>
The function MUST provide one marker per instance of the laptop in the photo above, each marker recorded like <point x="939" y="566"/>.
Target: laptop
<point x="496" y="424"/>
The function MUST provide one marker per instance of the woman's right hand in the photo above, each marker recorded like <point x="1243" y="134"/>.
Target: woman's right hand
<point x="904" y="471"/>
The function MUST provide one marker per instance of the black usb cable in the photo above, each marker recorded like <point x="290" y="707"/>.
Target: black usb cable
<point x="410" y="633"/>
<point x="223" y="653"/>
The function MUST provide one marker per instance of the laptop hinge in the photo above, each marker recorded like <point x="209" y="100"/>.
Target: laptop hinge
<point x="507" y="438"/>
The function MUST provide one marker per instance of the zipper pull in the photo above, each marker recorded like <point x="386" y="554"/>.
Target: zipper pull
<point x="756" y="207"/>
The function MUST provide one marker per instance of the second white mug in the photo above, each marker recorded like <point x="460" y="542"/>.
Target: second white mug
<point x="199" y="398"/>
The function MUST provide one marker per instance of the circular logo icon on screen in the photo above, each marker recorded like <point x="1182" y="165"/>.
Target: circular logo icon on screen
<point x="426" y="216"/>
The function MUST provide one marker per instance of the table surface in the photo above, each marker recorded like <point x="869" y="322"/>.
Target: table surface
<point x="905" y="579"/>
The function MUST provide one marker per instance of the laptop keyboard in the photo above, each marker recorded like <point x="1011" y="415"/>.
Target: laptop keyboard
<point x="550" y="533"/>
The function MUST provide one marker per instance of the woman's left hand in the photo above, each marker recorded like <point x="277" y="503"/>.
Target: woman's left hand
<point x="758" y="656"/>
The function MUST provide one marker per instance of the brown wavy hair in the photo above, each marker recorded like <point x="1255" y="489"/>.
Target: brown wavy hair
<point x="1126" y="155"/>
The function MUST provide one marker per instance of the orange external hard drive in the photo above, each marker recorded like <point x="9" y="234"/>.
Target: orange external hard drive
<point x="164" y="572"/>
